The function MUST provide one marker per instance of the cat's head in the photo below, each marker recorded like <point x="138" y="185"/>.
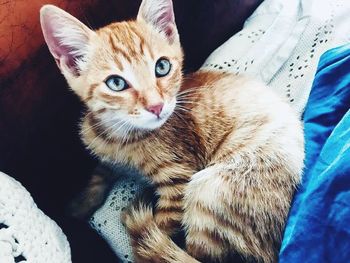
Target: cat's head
<point x="128" y="73"/>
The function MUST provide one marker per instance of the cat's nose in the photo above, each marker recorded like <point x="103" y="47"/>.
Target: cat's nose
<point x="155" y="109"/>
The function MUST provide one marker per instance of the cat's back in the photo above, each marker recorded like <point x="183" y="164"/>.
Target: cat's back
<point x="229" y="92"/>
<point x="245" y="112"/>
<point x="237" y="99"/>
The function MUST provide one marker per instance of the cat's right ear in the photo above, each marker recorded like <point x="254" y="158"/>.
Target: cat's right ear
<point x="66" y="37"/>
<point x="160" y="14"/>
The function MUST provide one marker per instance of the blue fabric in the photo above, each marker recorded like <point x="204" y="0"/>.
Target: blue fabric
<point x="318" y="228"/>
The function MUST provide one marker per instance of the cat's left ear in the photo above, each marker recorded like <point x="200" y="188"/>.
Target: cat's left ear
<point x="67" y="38"/>
<point x="160" y="14"/>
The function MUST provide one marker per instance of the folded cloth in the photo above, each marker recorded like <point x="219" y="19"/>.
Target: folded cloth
<point x="318" y="226"/>
<point x="282" y="42"/>
<point x="26" y="234"/>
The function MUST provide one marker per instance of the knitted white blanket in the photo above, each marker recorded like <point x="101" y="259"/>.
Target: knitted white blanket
<point x="26" y="234"/>
<point x="280" y="44"/>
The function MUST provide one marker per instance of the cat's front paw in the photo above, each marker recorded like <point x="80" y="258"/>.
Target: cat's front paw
<point x="139" y="222"/>
<point x="149" y="242"/>
<point x="137" y="218"/>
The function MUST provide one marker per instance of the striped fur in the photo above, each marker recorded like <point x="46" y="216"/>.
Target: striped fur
<point x="225" y="162"/>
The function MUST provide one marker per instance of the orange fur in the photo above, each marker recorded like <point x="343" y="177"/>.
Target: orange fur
<point x="225" y="162"/>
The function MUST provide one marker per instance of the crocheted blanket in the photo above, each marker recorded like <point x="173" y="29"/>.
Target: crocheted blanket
<point x="26" y="233"/>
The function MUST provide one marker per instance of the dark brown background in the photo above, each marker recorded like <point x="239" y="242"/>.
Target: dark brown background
<point x="39" y="143"/>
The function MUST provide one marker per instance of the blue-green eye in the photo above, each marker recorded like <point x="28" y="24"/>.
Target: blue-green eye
<point x="116" y="83"/>
<point x="163" y="67"/>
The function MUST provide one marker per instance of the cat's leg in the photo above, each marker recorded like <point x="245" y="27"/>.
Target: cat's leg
<point x="93" y="196"/>
<point x="151" y="244"/>
<point x="169" y="180"/>
<point x="167" y="202"/>
<point x="236" y="206"/>
<point x="169" y="207"/>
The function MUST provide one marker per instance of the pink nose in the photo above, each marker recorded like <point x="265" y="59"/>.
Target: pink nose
<point x="155" y="109"/>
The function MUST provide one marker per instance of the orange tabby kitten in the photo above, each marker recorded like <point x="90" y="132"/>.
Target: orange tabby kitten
<point x="224" y="153"/>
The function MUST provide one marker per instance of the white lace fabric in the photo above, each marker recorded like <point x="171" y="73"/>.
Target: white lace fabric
<point x="280" y="45"/>
<point x="26" y="233"/>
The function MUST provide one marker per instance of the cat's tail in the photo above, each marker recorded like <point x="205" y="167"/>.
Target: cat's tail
<point x="149" y="242"/>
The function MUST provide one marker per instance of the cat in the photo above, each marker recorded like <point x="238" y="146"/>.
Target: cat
<point x="224" y="153"/>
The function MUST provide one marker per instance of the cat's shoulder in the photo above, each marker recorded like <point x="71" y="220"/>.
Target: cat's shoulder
<point x="224" y="84"/>
<point x="209" y="78"/>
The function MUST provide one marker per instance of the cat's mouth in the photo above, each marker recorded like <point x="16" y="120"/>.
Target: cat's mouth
<point x="151" y="122"/>
<point x="123" y="126"/>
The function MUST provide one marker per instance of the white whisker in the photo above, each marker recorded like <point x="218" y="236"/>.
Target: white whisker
<point x="107" y="129"/>
<point x="179" y="115"/>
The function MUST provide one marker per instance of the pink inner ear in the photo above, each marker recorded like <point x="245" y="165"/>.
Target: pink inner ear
<point x="166" y="20"/>
<point x="62" y="53"/>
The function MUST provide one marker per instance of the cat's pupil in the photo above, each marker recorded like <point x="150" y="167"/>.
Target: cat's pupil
<point x="117" y="82"/>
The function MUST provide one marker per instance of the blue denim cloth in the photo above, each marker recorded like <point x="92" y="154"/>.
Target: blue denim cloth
<point x="318" y="228"/>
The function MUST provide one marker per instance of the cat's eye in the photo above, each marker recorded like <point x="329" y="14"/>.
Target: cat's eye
<point x="116" y="83"/>
<point x="163" y="67"/>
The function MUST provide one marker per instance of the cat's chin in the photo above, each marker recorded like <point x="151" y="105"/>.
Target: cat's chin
<point x="153" y="124"/>
<point x="145" y="122"/>
<point x="139" y="127"/>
